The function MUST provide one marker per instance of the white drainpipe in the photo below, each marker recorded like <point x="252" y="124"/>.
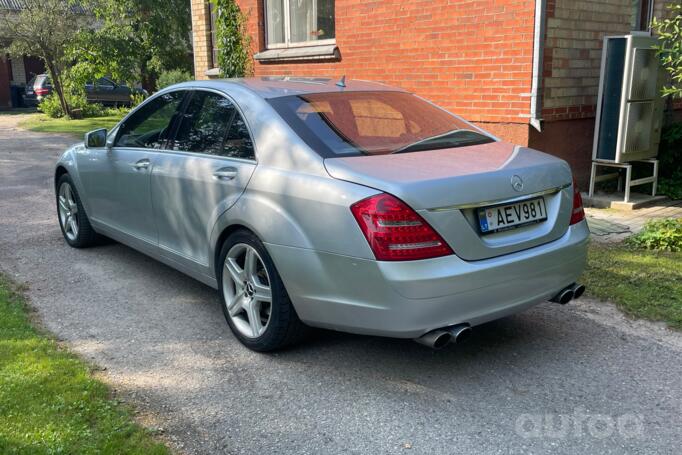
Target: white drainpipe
<point x="538" y="53"/>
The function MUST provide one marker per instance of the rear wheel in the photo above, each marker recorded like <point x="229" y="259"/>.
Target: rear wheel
<point x="73" y="220"/>
<point x="254" y="300"/>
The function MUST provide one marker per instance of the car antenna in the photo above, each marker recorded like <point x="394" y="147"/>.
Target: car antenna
<point x="342" y="82"/>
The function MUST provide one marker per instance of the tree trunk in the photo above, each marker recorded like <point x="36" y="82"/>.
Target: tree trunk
<point x="58" y="87"/>
<point x="147" y="79"/>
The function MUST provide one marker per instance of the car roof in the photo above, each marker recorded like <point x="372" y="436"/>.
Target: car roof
<point x="278" y="86"/>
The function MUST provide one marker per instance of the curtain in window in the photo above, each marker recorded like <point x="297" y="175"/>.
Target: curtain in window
<point x="275" y="21"/>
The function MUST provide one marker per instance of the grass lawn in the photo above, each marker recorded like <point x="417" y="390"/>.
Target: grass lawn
<point x="644" y="284"/>
<point x="49" y="402"/>
<point x="44" y="124"/>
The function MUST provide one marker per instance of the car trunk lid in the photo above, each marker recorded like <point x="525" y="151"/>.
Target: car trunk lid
<point x="447" y="187"/>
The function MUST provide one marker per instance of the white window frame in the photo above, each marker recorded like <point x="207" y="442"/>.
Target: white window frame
<point x="287" y="29"/>
<point x="638" y="18"/>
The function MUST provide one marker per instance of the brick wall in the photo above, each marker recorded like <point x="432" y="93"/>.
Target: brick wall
<point x="201" y="38"/>
<point x="472" y="57"/>
<point x="572" y="59"/>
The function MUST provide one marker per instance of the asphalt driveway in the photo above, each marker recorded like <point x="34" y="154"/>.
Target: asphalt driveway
<point x="572" y="379"/>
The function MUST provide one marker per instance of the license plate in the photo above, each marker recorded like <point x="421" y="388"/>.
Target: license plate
<point x="509" y="216"/>
<point x="29" y="92"/>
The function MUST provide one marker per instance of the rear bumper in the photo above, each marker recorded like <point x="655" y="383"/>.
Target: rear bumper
<point x="408" y="299"/>
<point x="30" y="100"/>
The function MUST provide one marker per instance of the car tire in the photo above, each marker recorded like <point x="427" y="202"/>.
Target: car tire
<point x="73" y="220"/>
<point x="283" y="326"/>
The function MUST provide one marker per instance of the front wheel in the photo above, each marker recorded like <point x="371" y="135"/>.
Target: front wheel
<point x="73" y="221"/>
<point x="254" y="300"/>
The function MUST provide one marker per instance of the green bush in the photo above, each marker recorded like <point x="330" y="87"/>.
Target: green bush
<point x="232" y="40"/>
<point x="660" y="235"/>
<point x="51" y="106"/>
<point x="167" y="78"/>
<point x="670" y="157"/>
<point x="669" y="31"/>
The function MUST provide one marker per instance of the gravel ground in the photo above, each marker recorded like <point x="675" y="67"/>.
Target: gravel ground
<point x="573" y="379"/>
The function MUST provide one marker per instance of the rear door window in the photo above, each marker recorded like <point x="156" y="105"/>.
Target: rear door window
<point x="212" y="125"/>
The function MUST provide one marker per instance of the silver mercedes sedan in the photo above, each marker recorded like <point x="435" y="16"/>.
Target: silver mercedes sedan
<point x="350" y="206"/>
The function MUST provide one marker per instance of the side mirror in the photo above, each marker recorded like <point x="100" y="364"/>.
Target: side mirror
<point x="97" y="138"/>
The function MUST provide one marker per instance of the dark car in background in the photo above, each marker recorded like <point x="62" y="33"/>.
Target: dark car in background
<point x="103" y="91"/>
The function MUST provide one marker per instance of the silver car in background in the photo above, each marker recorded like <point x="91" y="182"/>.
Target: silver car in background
<point x="350" y="206"/>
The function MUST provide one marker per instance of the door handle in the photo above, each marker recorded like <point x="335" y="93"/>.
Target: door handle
<point x="142" y="164"/>
<point x="225" y="173"/>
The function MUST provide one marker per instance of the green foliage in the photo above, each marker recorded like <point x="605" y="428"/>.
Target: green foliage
<point x="232" y="40"/>
<point x="659" y="235"/>
<point x="167" y="78"/>
<point x="644" y="284"/>
<point x="671" y="186"/>
<point x="52" y="107"/>
<point x="669" y="32"/>
<point x="49" y="401"/>
<point x="670" y="157"/>
<point x="135" y="41"/>
<point x="135" y="100"/>
<point x="45" y="29"/>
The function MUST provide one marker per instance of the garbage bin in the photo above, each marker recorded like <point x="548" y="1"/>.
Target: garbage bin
<point x="16" y="95"/>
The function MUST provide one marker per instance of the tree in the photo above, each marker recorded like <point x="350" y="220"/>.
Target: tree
<point x="669" y="32"/>
<point x="44" y="29"/>
<point x="135" y="40"/>
<point x="232" y="39"/>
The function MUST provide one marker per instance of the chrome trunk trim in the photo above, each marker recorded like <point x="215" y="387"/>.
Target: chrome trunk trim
<point x="475" y="205"/>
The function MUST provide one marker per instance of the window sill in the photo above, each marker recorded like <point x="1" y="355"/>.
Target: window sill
<point x="326" y="52"/>
<point x="213" y="72"/>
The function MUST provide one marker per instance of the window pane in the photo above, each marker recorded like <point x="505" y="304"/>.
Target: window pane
<point x="148" y="127"/>
<point x="275" y="21"/>
<point x="238" y="143"/>
<point x="214" y="41"/>
<point x="311" y="20"/>
<point x="372" y="123"/>
<point x="203" y="126"/>
<point x="104" y="82"/>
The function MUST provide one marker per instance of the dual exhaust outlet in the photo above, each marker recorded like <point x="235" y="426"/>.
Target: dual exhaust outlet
<point x="439" y="338"/>
<point x="574" y="291"/>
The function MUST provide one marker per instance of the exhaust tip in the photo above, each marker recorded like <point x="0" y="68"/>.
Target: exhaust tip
<point x="436" y="339"/>
<point x="442" y="341"/>
<point x="460" y="332"/>
<point x="578" y="290"/>
<point x="565" y="296"/>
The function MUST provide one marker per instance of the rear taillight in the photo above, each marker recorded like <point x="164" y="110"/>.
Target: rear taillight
<point x="578" y="213"/>
<point x="41" y="91"/>
<point x="395" y="232"/>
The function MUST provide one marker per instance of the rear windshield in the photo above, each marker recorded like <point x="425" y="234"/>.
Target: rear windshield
<point x="373" y="123"/>
<point x="42" y="81"/>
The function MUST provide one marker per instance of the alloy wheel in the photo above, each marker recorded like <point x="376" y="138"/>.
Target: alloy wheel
<point x="68" y="211"/>
<point x="246" y="288"/>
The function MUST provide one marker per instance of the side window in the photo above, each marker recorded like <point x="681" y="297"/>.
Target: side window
<point x="238" y="142"/>
<point x="204" y="124"/>
<point x="149" y="126"/>
<point x="212" y="125"/>
<point x="104" y="83"/>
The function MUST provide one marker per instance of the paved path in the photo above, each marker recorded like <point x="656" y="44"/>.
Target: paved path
<point x="574" y="379"/>
<point x="609" y="225"/>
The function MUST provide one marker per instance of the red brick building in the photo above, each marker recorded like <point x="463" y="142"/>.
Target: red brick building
<point x="526" y="70"/>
